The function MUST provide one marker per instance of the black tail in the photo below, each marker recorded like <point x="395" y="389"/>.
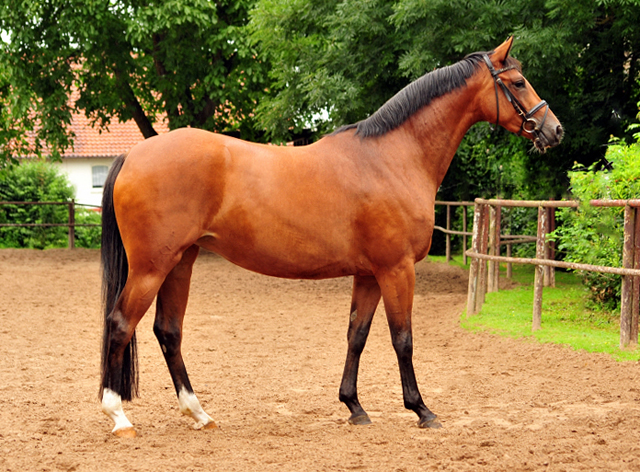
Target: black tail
<point x="115" y="269"/>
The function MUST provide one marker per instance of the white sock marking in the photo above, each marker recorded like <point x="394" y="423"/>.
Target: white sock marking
<point x="112" y="407"/>
<point x="190" y="406"/>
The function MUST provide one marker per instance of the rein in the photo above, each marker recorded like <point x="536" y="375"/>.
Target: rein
<point x="529" y="124"/>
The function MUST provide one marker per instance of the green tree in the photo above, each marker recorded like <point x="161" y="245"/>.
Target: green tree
<point x="128" y="59"/>
<point x="334" y="62"/>
<point x="345" y="58"/>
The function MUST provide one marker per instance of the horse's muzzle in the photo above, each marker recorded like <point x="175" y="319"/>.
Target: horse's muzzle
<point x="549" y="136"/>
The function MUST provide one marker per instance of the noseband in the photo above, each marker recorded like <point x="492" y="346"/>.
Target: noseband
<point x="529" y="124"/>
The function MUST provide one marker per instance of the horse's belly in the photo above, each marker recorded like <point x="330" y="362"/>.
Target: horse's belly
<point x="296" y="261"/>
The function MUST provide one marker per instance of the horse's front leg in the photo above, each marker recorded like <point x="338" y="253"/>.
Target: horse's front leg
<point x="397" y="285"/>
<point x="364" y="300"/>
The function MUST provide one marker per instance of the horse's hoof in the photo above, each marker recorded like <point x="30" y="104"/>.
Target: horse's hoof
<point x="125" y="433"/>
<point x="360" y="420"/>
<point x="210" y="425"/>
<point x="431" y="423"/>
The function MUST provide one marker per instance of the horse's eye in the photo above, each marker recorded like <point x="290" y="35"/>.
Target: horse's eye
<point x="519" y="84"/>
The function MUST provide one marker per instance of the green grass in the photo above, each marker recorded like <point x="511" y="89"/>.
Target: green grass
<point x="567" y="317"/>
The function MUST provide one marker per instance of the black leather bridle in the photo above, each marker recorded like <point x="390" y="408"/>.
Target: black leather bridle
<point x="529" y="124"/>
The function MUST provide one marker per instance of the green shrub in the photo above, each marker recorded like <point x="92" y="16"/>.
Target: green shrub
<point x="34" y="182"/>
<point x="88" y="236"/>
<point x="595" y="235"/>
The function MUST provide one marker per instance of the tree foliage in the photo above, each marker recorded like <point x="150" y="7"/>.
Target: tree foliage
<point x="301" y="64"/>
<point x="347" y="57"/>
<point x="189" y="60"/>
<point x="333" y="62"/>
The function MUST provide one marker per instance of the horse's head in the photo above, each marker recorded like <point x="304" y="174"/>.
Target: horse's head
<point x="511" y="101"/>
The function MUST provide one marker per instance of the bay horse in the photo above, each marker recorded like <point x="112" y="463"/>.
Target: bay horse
<point x="359" y="202"/>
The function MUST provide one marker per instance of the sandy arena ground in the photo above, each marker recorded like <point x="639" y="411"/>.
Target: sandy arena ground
<point x="265" y="357"/>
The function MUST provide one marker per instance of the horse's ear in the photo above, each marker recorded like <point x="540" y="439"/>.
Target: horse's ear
<point x="502" y="52"/>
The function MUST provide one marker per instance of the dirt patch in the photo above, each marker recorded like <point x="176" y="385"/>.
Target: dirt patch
<point x="265" y="357"/>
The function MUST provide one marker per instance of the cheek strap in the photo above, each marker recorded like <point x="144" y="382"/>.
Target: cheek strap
<point x="529" y="124"/>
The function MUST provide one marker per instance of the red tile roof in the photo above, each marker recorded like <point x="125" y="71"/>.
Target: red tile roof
<point x="118" y="139"/>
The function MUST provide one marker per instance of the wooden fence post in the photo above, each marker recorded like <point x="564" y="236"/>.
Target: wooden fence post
<point x="448" y="235"/>
<point x="72" y="224"/>
<point x="627" y="280"/>
<point x="472" y="292"/>
<point x="539" y="273"/>
<point x="509" y="247"/>
<point x="550" y="252"/>
<point x="635" y="299"/>
<point x="464" y="236"/>
<point x="492" y="248"/>
<point x="496" y="267"/>
<point x="482" y="271"/>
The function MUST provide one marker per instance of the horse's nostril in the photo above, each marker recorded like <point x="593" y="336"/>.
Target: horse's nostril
<point x="559" y="131"/>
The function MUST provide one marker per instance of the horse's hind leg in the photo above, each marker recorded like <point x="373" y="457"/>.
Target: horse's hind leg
<point x="365" y="299"/>
<point x="170" y="310"/>
<point x="119" y="376"/>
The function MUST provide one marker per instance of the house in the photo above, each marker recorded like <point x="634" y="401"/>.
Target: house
<point x="93" y="152"/>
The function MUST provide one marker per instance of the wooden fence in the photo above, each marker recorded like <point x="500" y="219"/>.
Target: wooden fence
<point x="509" y="239"/>
<point x="449" y="232"/>
<point x="71" y="221"/>
<point x="486" y="247"/>
<point x="486" y="242"/>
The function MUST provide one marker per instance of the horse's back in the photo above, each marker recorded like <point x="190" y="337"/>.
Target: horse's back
<point x="267" y="208"/>
<point x="323" y="210"/>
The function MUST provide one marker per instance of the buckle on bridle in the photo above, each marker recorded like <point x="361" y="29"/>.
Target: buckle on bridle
<point x="529" y="120"/>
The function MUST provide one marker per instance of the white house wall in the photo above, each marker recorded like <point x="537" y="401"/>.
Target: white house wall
<point x="78" y="171"/>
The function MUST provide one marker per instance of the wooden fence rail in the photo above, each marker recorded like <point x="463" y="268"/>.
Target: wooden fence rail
<point x="486" y="224"/>
<point x="71" y="221"/>
<point x="449" y="232"/>
<point x="506" y="239"/>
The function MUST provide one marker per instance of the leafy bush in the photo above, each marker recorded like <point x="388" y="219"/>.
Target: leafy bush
<point x="34" y="182"/>
<point x="595" y="235"/>
<point x="88" y="236"/>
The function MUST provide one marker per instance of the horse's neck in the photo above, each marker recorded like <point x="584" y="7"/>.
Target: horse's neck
<point x="438" y="129"/>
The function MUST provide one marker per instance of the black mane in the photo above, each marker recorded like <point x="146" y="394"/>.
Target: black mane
<point x="416" y="95"/>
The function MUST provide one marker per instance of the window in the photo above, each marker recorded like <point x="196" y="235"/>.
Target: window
<point x="99" y="175"/>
